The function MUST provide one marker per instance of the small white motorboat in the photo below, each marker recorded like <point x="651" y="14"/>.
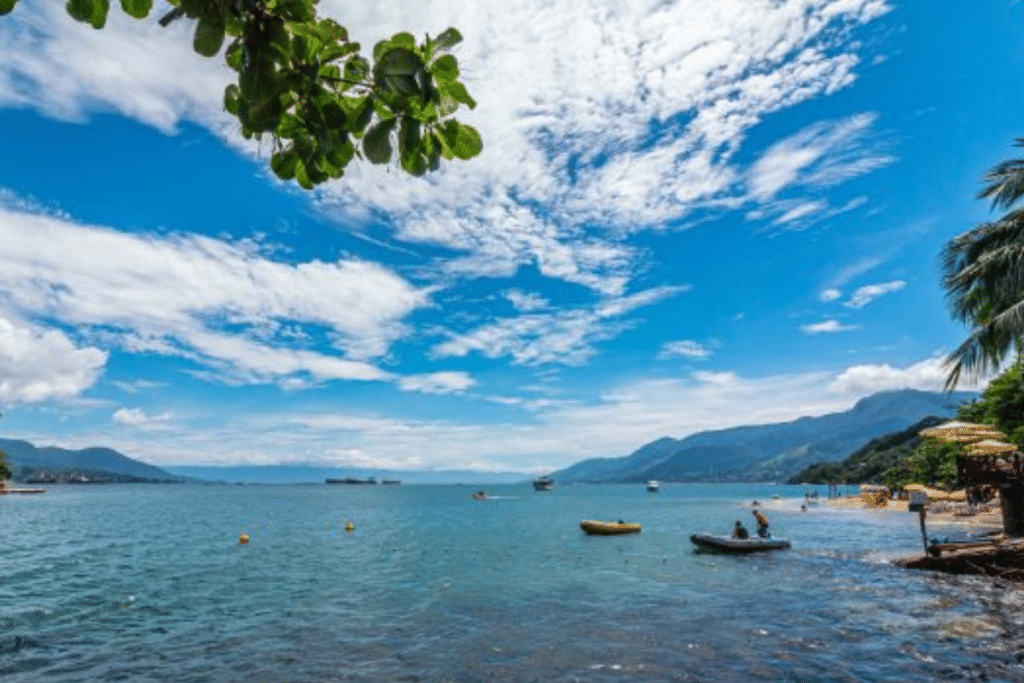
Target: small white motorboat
<point x="731" y="544"/>
<point x="653" y="486"/>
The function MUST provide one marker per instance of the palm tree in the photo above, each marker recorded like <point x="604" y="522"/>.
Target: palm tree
<point x="983" y="273"/>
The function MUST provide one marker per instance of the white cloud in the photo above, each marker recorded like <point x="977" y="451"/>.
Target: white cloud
<point x="801" y="210"/>
<point x="42" y="364"/>
<point x="632" y="124"/>
<point x="136" y="417"/>
<point x="830" y="294"/>
<point x="826" y="327"/>
<point x="178" y="294"/>
<point x="865" y="295"/>
<point x="526" y="301"/>
<point x="928" y="375"/>
<point x="437" y="382"/>
<point x="686" y="348"/>
<point x="567" y="337"/>
<point x="626" y="417"/>
<point x="820" y="155"/>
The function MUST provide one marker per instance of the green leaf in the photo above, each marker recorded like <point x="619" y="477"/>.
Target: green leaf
<point x="341" y="155"/>
<point x="231" y="103"/>
<point x="447" y="39"/>
<point x="284" y="164"/>
<point x="334" y="115"/>
<point x="302" y="175"/>
<point x="93" y="12"/>
<point x="357" y="68"/>
<point x="445" y="69"/>
<point x="6" y="6"/>
<point x="332" y="30"/>
<point x="468" y="142"/>
<point x="290" y="126"/>
<point x="405" y="40"/>
<point x="403" y="85"/>
<point x="137" y="8"/>
<point x="334" y="51"/>
<point x="458" y="92"/>
<point x="414" y="164"/>
<point x="409" y="136"/>
<point x="377" y="142"/>
<point x="361" y="114"/>
<point x="380" y="48"/>
<point x="398" y="62"/>
<point x="234" y="55"/>
<point x="209" y="35"/>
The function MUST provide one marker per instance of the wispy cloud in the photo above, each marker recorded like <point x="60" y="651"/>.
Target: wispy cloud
<point x="830" y="294"/>
<point x="566" y="337"/>
<point x="687" y="348"/>
<point x="868" y="293"/>
<point x="826" y="327"/>
<point x="632" y="124"/>
<point x="821" y="155"/>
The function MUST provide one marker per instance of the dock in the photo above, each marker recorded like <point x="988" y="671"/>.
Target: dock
<point x="6" y="491"/>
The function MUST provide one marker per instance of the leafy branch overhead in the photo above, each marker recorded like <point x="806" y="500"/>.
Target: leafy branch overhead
<point x="304" y="84"/>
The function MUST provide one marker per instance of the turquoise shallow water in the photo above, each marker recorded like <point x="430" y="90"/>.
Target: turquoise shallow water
<point x="148" y="583"/>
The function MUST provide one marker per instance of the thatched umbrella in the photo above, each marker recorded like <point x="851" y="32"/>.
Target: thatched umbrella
<point x="989" y="447"/>
<point x="963" y="432"/>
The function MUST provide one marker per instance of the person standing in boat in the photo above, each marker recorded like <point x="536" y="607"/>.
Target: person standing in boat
<point x="762" y="524"/>
<point x="740" y="531"/>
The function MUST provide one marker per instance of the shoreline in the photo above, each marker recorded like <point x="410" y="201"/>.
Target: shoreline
<point x="984" y="520"/>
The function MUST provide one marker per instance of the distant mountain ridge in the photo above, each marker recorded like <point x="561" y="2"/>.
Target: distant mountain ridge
<point x="51" y="463"/>
<point x="771" y="452"/>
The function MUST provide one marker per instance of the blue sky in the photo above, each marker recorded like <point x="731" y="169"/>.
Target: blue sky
<point x="690" y="215"/>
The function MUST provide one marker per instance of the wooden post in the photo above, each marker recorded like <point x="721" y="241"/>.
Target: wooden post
<point x="924" y="533"/>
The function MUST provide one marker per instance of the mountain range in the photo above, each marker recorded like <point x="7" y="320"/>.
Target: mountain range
<point x="771" y="452"/>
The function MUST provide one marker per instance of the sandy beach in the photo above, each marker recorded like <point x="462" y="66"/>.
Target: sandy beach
<point x="982" y="520"/>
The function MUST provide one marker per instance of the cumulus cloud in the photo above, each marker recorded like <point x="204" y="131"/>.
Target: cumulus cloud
<point x="826" y="327"/>
<point x="179" y="294"/>
<point x="687" y="348"/>
<point x="41" y="364"/>
<point x="868" y="293"/>
<point x="928" y="375"/>
<point x="136" y="417"/>
<point x="830" y="294"/>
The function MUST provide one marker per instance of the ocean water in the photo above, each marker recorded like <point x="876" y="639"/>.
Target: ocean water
<point x="149" y="583"/>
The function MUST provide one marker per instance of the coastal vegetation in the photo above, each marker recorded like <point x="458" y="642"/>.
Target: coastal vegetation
<point x="306" y="86"/>
<point x="904" y="457"/>
<point x="5" y="471"/>
<point x="983" y="274"/>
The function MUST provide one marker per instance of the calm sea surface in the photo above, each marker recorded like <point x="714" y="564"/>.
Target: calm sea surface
<point x="149" y="583"/>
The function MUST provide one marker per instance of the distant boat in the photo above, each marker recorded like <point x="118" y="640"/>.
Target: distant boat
<point x="351" y="480"/>
<point x="653" y="486"/>
<point x="391" y="482"/>
<point x="598" y="528"/>
<point x="543" y="484"/>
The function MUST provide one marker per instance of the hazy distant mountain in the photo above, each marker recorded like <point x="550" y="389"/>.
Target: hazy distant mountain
<point x="29" y="461"/>
<point x="772" y="452"/>
<point x="311" y="474"/>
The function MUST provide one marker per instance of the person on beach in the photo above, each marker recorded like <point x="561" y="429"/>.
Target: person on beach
<point x="740" y="531"/>
<point x="762" y="524"/>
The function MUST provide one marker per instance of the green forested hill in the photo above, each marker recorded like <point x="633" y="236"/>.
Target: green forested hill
<point x="866" y="465"/>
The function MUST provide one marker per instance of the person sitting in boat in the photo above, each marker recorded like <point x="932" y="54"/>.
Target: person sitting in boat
<point x="762" y="524"/>
<point x="740" y="531"/>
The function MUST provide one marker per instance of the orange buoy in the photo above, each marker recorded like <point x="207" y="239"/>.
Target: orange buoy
<point x="243" y="539"/>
